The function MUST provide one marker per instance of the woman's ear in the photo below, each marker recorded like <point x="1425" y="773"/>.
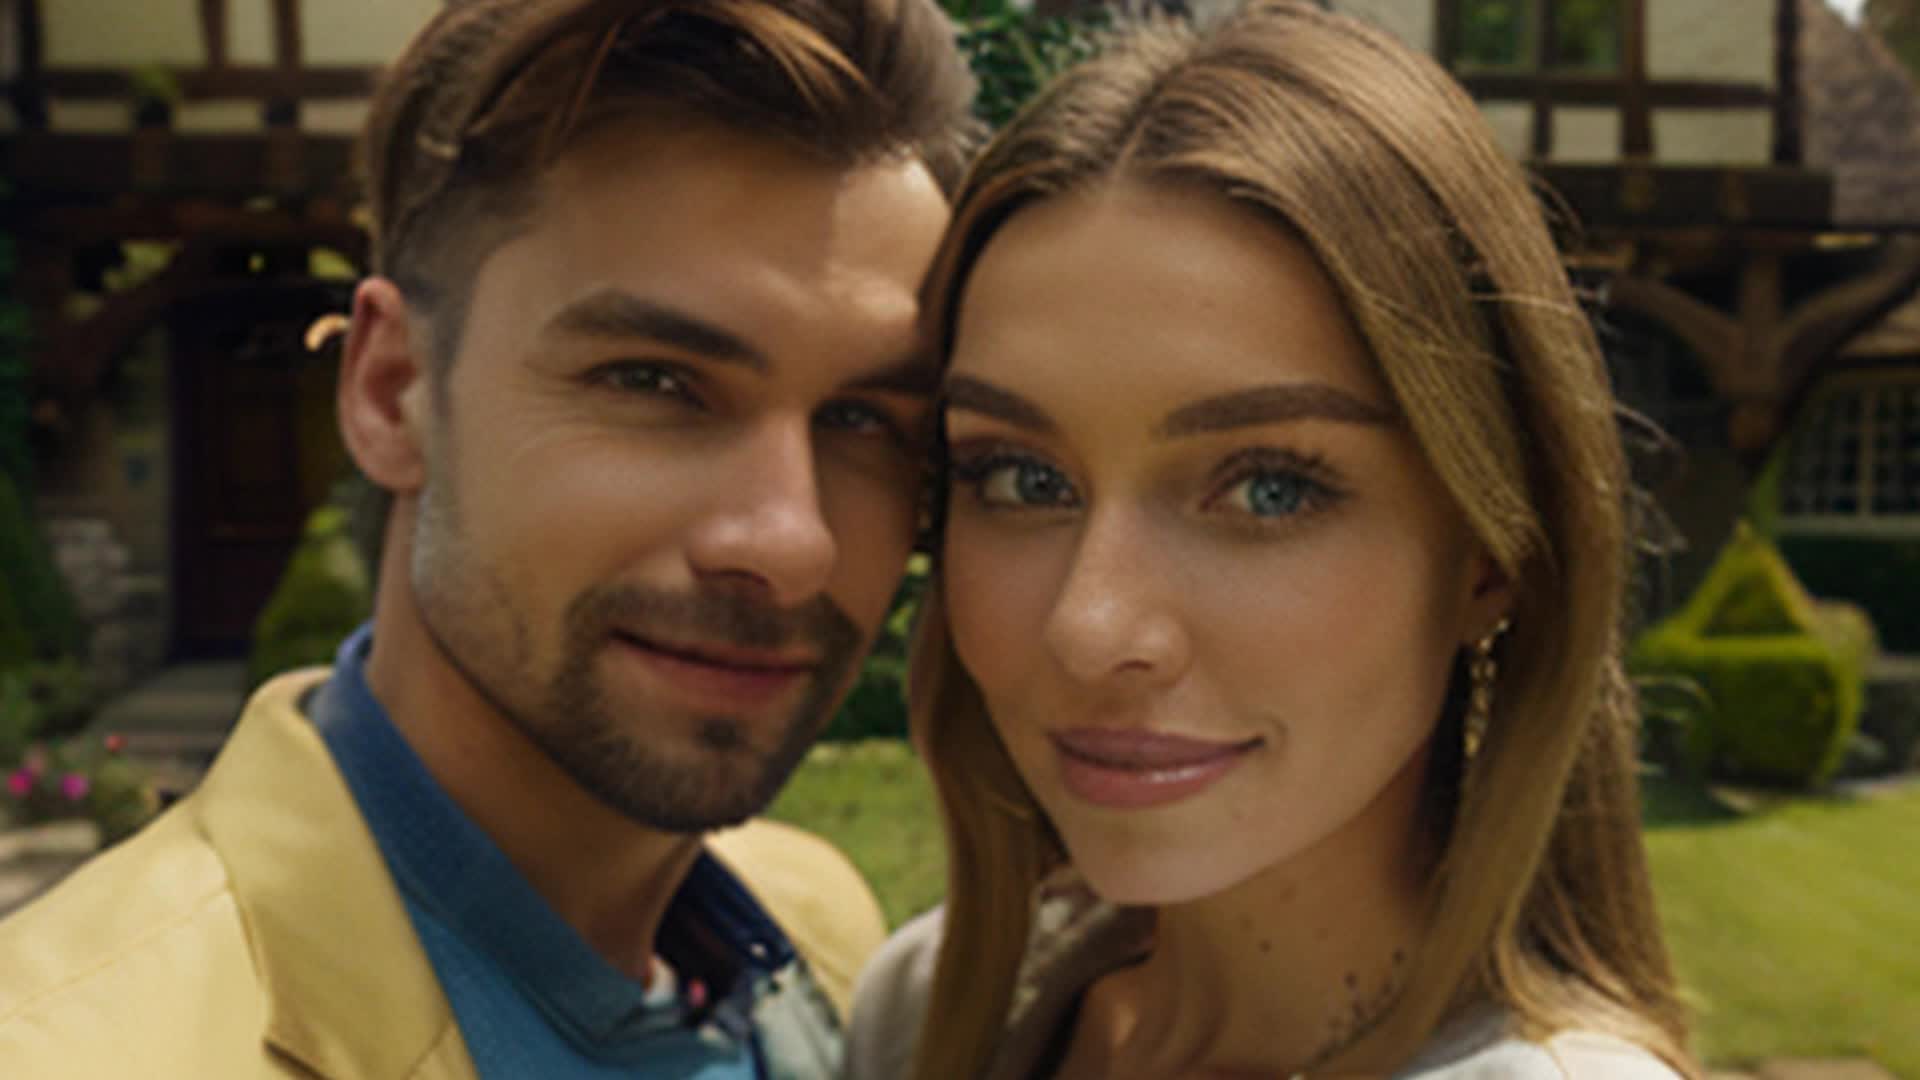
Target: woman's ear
<point x="1490" y="599"/>
<point x="383" y="390"/>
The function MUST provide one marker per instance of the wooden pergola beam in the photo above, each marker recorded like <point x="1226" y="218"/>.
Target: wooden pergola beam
<point x="72" y="167"/>
<point x="249" y="81"/>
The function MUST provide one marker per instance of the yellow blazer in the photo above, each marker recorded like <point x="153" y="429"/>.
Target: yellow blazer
<point x="253" y="931"/>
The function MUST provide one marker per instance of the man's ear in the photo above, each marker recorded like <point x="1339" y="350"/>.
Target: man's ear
<point x="383" y="394"/>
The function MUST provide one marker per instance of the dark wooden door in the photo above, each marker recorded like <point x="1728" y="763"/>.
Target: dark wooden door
<point x="255" y="451"/>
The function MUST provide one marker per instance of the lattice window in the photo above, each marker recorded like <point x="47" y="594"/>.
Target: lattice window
<point x="1536" y="35"/>
<point x="1857" y="455"/>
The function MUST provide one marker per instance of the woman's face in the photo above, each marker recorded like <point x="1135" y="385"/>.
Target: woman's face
<point x="1203" y="575"/>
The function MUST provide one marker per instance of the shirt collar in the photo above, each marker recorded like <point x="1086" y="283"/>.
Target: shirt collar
<point x="713" y="931"/>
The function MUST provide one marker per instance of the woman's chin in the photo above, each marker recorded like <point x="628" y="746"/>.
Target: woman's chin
<point x="1138" y="877"/>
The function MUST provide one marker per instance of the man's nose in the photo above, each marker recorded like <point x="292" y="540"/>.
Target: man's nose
<point x="1114" y="620"/>
<point x="764" y="529"/>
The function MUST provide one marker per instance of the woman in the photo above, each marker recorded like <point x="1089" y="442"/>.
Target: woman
<point x="1275" y="640"/>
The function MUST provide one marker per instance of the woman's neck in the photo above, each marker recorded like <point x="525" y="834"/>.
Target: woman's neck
<point x="1277" y="975"/>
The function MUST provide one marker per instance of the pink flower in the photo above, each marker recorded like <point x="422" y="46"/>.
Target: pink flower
<point x="75" y="786"/>
<point x="20" y="784"/>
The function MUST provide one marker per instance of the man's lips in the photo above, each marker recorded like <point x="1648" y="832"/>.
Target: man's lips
<point x="1130" y="769"/>
<point x="719" y="678"/>
<point x="726" y="656"/>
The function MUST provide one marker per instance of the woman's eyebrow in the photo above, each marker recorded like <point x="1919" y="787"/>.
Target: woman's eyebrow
<point x="1273" y="405"/>
<point x="979" y="396"/>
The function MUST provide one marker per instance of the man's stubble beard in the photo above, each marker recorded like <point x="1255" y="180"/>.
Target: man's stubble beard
<point x="721" y="779"/>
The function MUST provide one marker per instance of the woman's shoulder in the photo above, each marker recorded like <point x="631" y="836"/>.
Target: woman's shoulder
<point x="890" y="1000"/>
<point x="1485" y="1049"/>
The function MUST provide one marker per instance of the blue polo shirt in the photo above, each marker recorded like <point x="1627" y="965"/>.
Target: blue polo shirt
<point x="532" y="998"/>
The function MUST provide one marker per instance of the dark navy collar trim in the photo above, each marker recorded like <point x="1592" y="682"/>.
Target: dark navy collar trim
<point x="714" y="930"/>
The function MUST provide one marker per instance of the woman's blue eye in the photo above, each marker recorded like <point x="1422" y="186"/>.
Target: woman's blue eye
<point x="1274" y="494"/>
<point x="1016" y="482"/>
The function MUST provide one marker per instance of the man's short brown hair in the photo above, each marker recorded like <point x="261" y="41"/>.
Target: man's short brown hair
<point x="492" y="91"/>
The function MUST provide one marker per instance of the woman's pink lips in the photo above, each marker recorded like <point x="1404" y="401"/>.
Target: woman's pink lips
<point x="1126" y="768"/>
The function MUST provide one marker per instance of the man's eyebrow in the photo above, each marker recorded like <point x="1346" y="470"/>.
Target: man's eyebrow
<point x="613" y="314"/>
<point x="1273" y="405"/>
<point x="979" y="396"/>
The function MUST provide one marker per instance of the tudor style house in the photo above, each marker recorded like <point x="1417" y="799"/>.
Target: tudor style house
<point x="181" y="203"/>
<point x="1745" y="175"/>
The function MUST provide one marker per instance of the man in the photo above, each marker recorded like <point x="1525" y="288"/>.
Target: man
<point x="640" y="371"/>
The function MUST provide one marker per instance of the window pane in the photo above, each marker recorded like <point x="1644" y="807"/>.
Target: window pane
<point x="1495" y="34"/>
<point x="1586" y="34"/>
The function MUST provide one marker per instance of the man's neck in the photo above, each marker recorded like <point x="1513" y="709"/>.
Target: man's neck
<point x="606" y="876"/>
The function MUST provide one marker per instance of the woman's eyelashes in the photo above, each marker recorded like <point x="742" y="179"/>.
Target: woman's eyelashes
<point x="998" y="478"/>
<point x="1261" y="485"/>
<point x="1273" y="484"/>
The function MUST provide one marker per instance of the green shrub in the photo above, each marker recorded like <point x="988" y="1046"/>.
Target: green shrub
<point x="875" y="708"/>
<point x="1785" y="675"/>
<point x="42" y="608"/>
<point x="322" y="597"/>
<point x="16" y="645"/>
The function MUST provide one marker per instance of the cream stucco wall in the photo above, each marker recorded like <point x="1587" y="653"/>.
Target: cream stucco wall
<point x="1512" y="123"/>
<point x="1711" y="40"/>
<point x="1713" y="136"/>
<point x="360" y="32"/>
<point x="105" y="33"/>
<point x="90" y="117"/>
<point x="219" y="117"/>
<point x="1410" y="20"/>
<point x="1586" y="135"/>
<point x="250" y="31"/>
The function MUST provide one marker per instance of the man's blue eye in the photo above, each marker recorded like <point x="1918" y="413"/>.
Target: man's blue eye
<point x="647" y="379"/>
<point x="854" y="416"/>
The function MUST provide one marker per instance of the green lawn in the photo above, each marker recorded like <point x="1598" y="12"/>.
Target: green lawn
<point x="1796" y="928"/>
<point x="875" y="801"/>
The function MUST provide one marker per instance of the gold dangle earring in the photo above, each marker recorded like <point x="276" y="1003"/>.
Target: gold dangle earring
<point x="1483" y="671"/>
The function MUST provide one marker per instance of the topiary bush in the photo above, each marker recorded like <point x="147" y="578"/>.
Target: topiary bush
<point x="324" y="594"/>
<point x="1785" y="675"/>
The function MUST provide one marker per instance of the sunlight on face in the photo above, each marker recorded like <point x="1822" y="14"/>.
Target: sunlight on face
<point x="1206" y="581"/>
<point x="675" y="481"/>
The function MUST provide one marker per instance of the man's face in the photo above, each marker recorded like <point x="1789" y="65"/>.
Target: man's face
<point x="673" y="472"/>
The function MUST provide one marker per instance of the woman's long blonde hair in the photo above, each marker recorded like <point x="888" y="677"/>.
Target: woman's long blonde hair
<point x="1376" y="159"/>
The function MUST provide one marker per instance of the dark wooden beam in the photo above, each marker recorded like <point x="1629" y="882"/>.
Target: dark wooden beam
<point x="1787" y="106"/>
<point x="1637" y="196"/>
<point x="1583" y="88"/>
<point x="1636" y="111"/>
<point x="29" y="99"/>
<point x="1446" y="32"/>
<point x="1546" y="56"/>
<point x="262" y="83"/>
<point x="320" y="223"/>
<point x="286" y="34"/>
<point x="43" y="165"/>
<point x="213" y="28"/>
